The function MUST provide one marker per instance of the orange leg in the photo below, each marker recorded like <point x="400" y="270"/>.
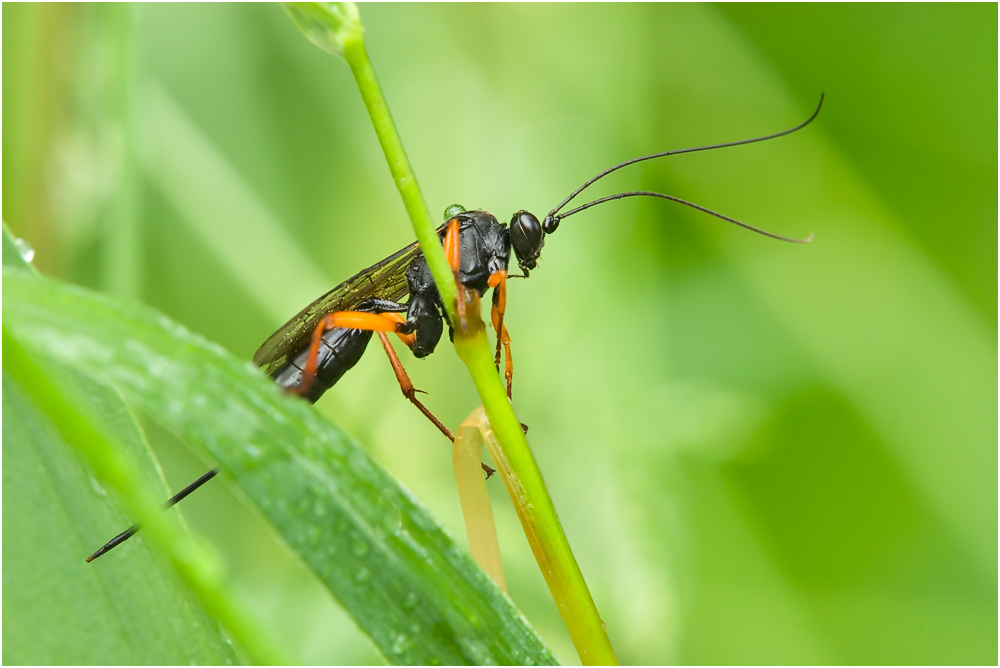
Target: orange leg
<point x="452" y="249"/>
<point x="508" y="369"/>
<point x="410" y="392"/>
<point x="498" y="281"/>
<point x="352" y="319"/>
<point x="379" y="323"/>
<point x="407" y="386"/>
<point x="451" y="243"/>
<point x="408" y="339"/>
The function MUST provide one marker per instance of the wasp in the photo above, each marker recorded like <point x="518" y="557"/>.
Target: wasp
<point x="312" y="351"/>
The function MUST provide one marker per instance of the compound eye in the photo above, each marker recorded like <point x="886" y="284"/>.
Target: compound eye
<point x="527" y="238"/>
<point x="528" y="226"/>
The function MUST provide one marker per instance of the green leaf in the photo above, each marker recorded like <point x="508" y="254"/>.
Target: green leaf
<point x="16" y="252"/>
<point x="58" y="609"/>
<point x="419" y="596"/>
<point x="131" y="609"/>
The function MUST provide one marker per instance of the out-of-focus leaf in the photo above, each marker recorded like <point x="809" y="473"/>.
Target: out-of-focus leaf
<point x="419" y="597"/>
<point x="127" y="609"/>
<point x="57" y="608"/>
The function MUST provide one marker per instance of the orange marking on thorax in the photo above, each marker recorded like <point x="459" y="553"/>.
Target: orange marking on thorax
<point x="452" y="245"/>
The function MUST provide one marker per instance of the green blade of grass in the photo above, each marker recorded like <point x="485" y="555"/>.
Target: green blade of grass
<point x="418" y="596"/>
<point x="58" y="609"/>
<point x="77" y="420"/>
<point x="134" y="610"/>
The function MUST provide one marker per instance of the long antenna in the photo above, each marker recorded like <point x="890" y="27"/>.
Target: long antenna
<point x="552" y="214"/>
<point x="131" y="531"/>
<point x="643" y="193"/>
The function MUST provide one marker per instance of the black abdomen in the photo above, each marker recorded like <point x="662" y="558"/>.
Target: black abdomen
<point x="339" y="350"/>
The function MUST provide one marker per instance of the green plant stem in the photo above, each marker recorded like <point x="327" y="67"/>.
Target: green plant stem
<point x="540" y="522"/>
<point x="399" y="165"/>
<point x="535" y="509"/>
<point x="201" y="573"/>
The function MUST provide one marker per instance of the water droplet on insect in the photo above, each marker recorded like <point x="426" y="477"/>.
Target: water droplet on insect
<point x="362" y="575"/>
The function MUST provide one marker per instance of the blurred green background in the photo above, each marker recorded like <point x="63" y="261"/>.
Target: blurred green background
<point x="762" y="453"/>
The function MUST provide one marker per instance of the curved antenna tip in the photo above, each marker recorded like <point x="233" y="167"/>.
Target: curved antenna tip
<point x="806" y="240"/>
<point x="819" y="106"/>
<point x="554" y="212"/>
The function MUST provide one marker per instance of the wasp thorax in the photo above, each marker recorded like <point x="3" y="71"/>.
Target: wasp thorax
<point x="527" y="238"/>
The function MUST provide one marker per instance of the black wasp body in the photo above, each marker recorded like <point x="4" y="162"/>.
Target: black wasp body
<point x="313" y="350"/>
<point x="484" y="250"/>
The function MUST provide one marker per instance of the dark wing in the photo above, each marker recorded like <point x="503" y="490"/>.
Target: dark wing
<point x="383" y="280"/>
